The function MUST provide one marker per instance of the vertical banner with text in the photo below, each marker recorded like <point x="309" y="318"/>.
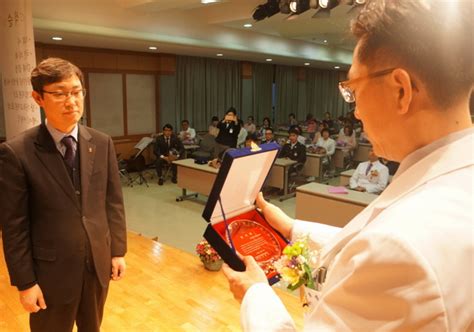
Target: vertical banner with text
<point x="17" y="60"/>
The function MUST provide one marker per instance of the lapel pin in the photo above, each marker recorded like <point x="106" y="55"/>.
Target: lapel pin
<point x="90" y="150"/>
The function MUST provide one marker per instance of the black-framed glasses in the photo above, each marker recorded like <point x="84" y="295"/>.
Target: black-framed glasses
<point x="63" y="96"/>
<point x="348" y="93"/>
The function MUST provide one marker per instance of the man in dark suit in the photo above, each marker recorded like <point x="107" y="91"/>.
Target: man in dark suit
<point x="294" y="150"/>
<point x="64" y="232"/>
<point x="168" y="147"/>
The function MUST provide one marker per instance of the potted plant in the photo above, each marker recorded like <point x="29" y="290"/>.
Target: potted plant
<point x="209" y="257"/>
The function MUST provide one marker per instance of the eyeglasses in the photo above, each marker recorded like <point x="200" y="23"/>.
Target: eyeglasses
<point x="63" y="96"/>
<point x="348" y="93"/>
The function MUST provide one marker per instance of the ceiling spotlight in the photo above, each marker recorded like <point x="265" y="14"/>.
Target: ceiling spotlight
<point x="299" y="6"/>
<point x="205" y="2"/>
<point x="325" y="41"/>
<point x="306" y="63"/>
<point x="268" y="9"/>
<point x="328" y="4"/>
<point x="360" y="2"/>
<point x="219" y="54"/>
<point x="248" y="25"/>
<point x="57" y="38"/>
<point x="337" y="67"/>
<point x="153" y="48"/>
<point x="268" y="60"/>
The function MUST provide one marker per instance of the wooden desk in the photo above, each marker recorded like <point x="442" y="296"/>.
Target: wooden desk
<point x="361" y="153"/>
<point x="164" y="289"/>
<point x="194" y="177"/>
<point x="312" y="166"/>
<point x="345" y="177"/>
<point x="314" y="203"/>
<point x="278" y="177"/>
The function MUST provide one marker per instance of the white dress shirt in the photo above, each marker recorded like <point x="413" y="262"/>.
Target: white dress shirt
<point x="328" y="144"/>
<point x="371" y="176"/>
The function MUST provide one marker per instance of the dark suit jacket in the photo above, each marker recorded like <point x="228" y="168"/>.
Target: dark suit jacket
<point x="161" y="148"/>
<point x="298" y="152"/>
<point x="228" y="133"/>
<point x="46" y="222"/>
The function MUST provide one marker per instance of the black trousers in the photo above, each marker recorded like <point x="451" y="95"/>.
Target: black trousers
<point x="160" y="163"/>
<point x="86" y="311"/>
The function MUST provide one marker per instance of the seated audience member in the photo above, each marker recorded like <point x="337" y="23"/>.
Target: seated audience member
<point x="168" y="148"/>
<point x="292" y="120"/>
<point x="317" y="134"/>
<point x="312" y="128"/>
<point x="213" y="130"/>
<point x="242" y="135"/>
<point x="187" y="134"/>
<point x="266" y="123"/>
<point x="251" y="138"/>
<point x="329" y="121"/>
<point x="348" y="143"/>
<point x="301" y="138"/>
<point x="229" y="129"/>
<point x="250" y="125"/>
<point x="370" y="176"/>
<point x="326" y="146"/>
<point x="294" y="150"/>
<point x="268" y="137"/>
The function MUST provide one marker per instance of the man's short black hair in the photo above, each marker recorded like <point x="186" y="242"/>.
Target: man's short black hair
<point x="214" y="118"/>
<point x="231" y="110"/>
<point x="324" y="130"/>
<point x="167" y="126"/>
<point x="292" y="115"/>
<point x="269" y="129"/>
<point x="293" y="131"/>
<point x="185" y="121"/>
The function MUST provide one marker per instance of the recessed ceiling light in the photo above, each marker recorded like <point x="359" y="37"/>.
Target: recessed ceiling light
<point x="209" y="1"/>
<point x="306" y="63"/>
<point x="248" y="25"/>
<point x="268" y="60"/>
<point x="220" y="54"/>
<point x="337" y="67"/>
<point x="325" y="40"/>
<point x="152" y="48"/>
<point x="57" y="38"/>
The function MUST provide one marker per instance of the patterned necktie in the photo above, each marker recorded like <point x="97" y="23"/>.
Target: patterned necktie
<point x="368" y="169"/>
<point x="168" y="141"/>
<point x="70" y="155"/>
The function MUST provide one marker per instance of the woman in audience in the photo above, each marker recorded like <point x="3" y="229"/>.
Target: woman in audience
<point x="318" y="133"/>
<point x="266" y="123"/>
<point x="250" y="125"/>
<point x="213" y="130"/>
<point x="242" y="135"/>
<point x="326" y="146"/>
<point x="348" y="143"/>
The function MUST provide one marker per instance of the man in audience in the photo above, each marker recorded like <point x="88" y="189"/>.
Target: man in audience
<point x="405" y="262"/>
<point x="268" y="137"/>
<point x="187" y="135"/>
<point x="251" y="138"/>
<point x="168" y="148"/>
<point x="294" y="150"/>
<point x="229" y="129"/>
<point x="62" y="214"/>
<point x="370" y="176"/>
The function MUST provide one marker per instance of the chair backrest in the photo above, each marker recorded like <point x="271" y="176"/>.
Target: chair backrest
<point x="207" y="143"/>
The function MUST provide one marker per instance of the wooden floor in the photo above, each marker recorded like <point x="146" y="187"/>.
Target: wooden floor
<point x="164" y="289"/>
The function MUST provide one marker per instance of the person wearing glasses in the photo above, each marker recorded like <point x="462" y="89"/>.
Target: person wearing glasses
<point x="405" y="262"/>
<point x="62" y="214"/>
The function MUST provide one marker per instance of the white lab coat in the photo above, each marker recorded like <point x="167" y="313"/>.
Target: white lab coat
<point x="374" y="181"/>
<point x="404" y="263"/>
